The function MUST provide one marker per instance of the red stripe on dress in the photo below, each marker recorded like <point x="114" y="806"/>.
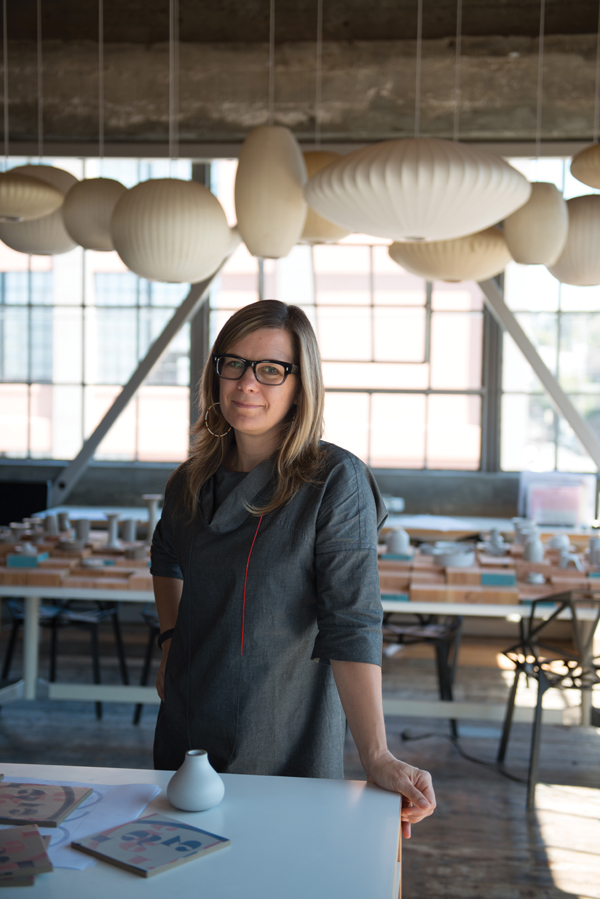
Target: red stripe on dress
<point x="246" y="581"/>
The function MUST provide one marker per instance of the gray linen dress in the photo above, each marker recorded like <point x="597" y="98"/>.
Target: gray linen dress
<point x="264" y="608"/>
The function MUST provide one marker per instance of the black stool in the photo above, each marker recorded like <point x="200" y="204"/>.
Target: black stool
<point x="150" y="616"/>
<point x="70" y="613"/>
<point x="444" y="635"/>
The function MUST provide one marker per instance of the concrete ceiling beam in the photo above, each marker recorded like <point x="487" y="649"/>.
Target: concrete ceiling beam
<point x="367" y="90"/>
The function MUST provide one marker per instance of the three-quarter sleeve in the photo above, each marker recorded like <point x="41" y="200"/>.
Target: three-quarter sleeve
<point x="349" y="612"/>
<point x="163" y="556"/>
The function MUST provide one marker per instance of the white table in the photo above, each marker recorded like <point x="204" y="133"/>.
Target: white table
<point x="32" y="688"/>
<point x="290" y="837"/>
<point x="482" y="711"/>
<point x="29" y="687"/>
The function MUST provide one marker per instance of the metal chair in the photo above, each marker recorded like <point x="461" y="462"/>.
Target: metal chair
<point x="551" y="665"/>
<point x="150" y="616"/>
<point x="70" y="613"/>
<point x="443" y="634"/>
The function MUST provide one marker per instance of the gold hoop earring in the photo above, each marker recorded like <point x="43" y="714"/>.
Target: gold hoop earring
<point x="206" y="422"/>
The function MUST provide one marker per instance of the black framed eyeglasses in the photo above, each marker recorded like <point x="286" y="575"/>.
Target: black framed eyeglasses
<point x="266" y="371"/>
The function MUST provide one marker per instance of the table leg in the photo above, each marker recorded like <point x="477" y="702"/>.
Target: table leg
<point x="586" y="708"/>
<point x="399" y="862"/>
<point x="586" y="695"/>
<point x="31" y="642"/>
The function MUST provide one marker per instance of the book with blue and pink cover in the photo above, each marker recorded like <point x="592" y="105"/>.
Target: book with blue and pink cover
<point x="150" y="845"/>
<point x="22" y="855"/>
<point x="46" y="805"/>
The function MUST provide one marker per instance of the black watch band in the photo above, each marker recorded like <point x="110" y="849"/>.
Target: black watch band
<point x="166" y="635"/>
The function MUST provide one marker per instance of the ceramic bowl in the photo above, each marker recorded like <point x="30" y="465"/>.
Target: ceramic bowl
<point x="455" y="558"/>
<point x="559" y="541"/>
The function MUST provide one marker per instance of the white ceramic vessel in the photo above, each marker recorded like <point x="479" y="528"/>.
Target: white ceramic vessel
<point x="534" y="549"/>
<point x="113" y="541"/>
<point x="152" y="500"/>
<point x="398" y="541"/>
<point x="82" y="528"/>
<point x="196" y="786"/>
<point x="559" y="541"/>
<point x="457" y="558"/>
<point x="51" y="524"/>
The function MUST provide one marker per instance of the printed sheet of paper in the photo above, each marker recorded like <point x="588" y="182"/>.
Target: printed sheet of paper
<point x="46" y="805"/>
<point x="107" y="806"/>
<point x="151" y="844"/>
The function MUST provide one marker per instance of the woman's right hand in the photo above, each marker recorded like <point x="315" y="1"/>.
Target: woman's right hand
<point x="160" y="678"/>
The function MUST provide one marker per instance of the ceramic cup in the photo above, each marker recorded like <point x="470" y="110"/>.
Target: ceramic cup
<point x="398" y="542"/>
<point x="82" y="528"/>
<point x="534" y="550"/>
<point x="63" y="521"/>
<point x="129" y="530"/>
<point x="51" y="524"/>
<point x="559" y="541"/>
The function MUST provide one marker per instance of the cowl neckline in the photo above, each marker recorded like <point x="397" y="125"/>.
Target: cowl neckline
<point x="233" y="512"/>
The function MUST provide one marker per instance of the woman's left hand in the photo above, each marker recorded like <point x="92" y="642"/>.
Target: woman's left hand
<point x="418" y="798"/>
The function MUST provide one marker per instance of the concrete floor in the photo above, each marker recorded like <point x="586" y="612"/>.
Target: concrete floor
<point x="480" y="842"/>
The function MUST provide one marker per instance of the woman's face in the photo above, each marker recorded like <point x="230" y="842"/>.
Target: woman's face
<point x="251" y="407"/>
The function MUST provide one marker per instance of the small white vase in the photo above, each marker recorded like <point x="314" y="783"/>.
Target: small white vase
<point x="534" y="549"/>
<point x="398" y="541"/>
<point x="196" y="786"/>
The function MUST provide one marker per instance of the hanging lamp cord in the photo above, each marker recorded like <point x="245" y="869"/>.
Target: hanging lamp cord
<point x="318" y="74"/>
<point x="100" y="79"/>
<point x="457" y="70"/>
<point x="5" y="61"/>
<point x="272" y="62"/>
<point x="173" y="81"/>
<point x="597" y="90"/>
<point x="418" y="68"/>
<point x="40" y="83"/>
<point x="540" y="81"/>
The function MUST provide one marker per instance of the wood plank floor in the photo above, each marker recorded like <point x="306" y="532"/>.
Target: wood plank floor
<point x="480" y="844"/>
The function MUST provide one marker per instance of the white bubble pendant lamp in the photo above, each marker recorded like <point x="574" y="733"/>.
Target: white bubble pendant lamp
<point x="472" y="258"/>
<point x="537" y="232"/>
<point x="269" y="203"/>
<point x="170" y="230"/>
<point x="585" y="166"/>
<point x="579" y="262"/>
<point x="45" y="236"/>
<point x="23" y="198"/>
<point x="317" y="229"/>
<point x="87" y="211"/>
<point x="417" y="189"/>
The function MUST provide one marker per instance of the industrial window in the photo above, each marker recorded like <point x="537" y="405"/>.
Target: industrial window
<point x="72" y="330"/>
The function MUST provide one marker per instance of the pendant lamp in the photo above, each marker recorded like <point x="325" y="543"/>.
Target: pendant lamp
<point x="270" y="207"/>
<point x="476" y="257"/>
<point x="23" y="198"/>
<point x="417" y="189"/>
<point x="579" y="262"/>
<point x="87" y="210"/>
<point x="170" y="230"/>
<point x="45" y="236"/>
<point x="585" y="166"/>
<point x="537" y="232"/>
<point x="316" y="228"/>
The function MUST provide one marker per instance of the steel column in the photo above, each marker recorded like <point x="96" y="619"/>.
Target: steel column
<point x="69" y="476"/>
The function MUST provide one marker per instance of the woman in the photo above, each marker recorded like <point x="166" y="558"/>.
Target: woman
<point x="265" y="575"/>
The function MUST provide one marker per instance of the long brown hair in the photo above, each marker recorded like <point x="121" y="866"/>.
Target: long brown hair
<point x="300" y="457"/>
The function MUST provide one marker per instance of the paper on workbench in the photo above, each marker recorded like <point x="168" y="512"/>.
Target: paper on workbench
<point x="109" y="806"/>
